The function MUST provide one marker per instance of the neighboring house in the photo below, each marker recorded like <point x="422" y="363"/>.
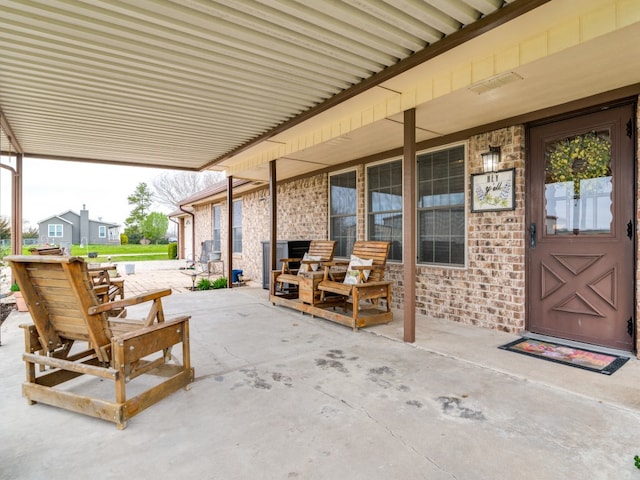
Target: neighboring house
<point x="71" y="228"/>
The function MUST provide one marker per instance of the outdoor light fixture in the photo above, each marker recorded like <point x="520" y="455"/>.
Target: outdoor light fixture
<point x="491" y="159"/>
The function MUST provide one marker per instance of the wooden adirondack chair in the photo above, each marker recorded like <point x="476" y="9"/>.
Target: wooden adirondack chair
<point x="319" y="250"/>
<point x="367" y="290"/>
<point x="72" y="336"/>
<point x="108" y="287"/>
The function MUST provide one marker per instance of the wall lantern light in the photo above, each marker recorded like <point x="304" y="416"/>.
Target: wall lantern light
<point x="491" y="159"/>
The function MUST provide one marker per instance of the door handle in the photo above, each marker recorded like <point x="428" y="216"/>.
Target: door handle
<point x="630" y="229"/>
<point x="532" y="233"/>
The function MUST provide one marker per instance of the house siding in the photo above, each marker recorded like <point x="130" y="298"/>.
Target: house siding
<point x="73" y="231"/>
<point x="43" y="232"/>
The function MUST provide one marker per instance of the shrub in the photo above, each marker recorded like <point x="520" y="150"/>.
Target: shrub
<point x="172" y="250"/>
<point x="204" y="284"/>
<point x="219" y="283"/>
<point x="124" y="239"/>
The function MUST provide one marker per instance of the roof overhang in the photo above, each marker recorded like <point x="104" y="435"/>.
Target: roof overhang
<point x="183" y="84"/>
<point x="236" y="85"/>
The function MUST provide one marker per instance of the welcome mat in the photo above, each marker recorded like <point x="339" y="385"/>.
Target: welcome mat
<point x="590" y="360"/>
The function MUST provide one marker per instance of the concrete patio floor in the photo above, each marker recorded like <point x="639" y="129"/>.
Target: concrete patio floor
<point x="281" y="395"/>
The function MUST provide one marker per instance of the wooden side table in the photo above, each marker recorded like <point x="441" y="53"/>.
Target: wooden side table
<point x="308" y="287"/>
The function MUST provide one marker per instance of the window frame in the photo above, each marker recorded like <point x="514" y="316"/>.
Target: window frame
<point x="102" y="231"/>
<point x="464" y="206"/>
<point x="348" y="248"/>
<point x="57" y="227"/>
<point x="368" y="212"/>
<point x="236" y="244"/>
<point x="216" y="217"/>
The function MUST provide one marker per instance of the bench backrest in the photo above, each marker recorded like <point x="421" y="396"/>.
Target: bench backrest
<point x="59" y="292"/>
<point x="323" y="249"/>
<point x="376" y="250"/>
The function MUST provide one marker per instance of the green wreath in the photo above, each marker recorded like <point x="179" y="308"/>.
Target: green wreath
<point x="579" y="158"/>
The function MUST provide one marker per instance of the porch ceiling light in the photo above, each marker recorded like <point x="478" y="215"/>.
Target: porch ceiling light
<point x="491" y="159"/>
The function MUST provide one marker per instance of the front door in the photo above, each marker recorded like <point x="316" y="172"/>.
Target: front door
<point x="581" y="228"/>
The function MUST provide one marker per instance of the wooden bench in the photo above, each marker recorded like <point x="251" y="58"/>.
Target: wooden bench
<point x="66" y="313"/>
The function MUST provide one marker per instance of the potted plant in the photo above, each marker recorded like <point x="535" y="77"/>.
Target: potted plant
<point x="20" y="303"/>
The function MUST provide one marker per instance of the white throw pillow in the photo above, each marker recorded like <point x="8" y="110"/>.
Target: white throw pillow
<point x="352" y="276"/>
<point x="305" y="267"/>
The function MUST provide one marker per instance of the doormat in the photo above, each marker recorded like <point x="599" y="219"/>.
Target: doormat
<point x="603" y="363"/>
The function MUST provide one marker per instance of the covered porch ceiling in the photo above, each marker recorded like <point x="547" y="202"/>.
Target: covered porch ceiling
<point x="232" y="85"/>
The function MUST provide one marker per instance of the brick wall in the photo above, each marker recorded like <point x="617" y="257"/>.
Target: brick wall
<point x="302" y="215"/>
<point x="303" y="210"/>
<point x="490" y="290"/>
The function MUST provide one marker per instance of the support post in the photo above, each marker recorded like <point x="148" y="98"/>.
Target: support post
<point x="273" y="214"/>
<point x="229" y="231"/>
<point x="16" y="208"/>
<point x="409" y="225"/>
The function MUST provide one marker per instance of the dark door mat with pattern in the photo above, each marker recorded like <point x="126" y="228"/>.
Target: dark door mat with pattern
<point x="593" y="361"/>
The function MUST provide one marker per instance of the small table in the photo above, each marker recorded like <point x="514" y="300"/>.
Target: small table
<point x="308" y="287"/>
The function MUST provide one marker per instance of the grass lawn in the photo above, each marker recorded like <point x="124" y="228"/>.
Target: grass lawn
<point x="118" y="253"/>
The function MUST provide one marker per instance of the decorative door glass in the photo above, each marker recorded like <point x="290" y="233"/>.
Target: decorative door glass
<point x="578" y="185"/>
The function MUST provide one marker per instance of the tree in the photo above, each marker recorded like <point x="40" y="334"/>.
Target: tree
<point x="170" y="188"/>
<point x="142" y="199"/>
<point x="154" y="226"/>
<point x="5" y="227"/>
<point x="30" y="232"/>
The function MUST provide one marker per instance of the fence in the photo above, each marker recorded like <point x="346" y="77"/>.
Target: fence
<point x="6" y="242"/>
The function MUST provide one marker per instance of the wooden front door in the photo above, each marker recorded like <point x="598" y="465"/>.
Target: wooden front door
<point x="581" y="228"/>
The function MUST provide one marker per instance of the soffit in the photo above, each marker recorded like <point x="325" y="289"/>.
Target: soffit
<point x="178" y="84"/>
<point x="559" y="52"/>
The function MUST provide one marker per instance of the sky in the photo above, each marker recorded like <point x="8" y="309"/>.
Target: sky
<point x="53" y="187"/>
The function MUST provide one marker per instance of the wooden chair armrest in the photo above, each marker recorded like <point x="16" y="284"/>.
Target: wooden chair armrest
<point x="372" y="284"/>
<point x="127" y="302"/>
<point x="289" y="260"/>
<point x="137" y="344"/>
<point x="101" y="289"/>
<point x="285" y="265"/>
<point x="336" y="263"/>
<point x="367" y="267"/>
<point x="310" y="263"/>
<point x="151" y="328"/>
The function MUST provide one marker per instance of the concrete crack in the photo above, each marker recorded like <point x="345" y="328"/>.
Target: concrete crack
<point x="407" y="445"/>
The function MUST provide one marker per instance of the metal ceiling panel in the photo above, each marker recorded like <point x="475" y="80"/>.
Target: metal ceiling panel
<point x="179" y="83"/>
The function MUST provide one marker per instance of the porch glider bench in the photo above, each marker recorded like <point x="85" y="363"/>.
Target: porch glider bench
<point x="356" y="287"/>
<point x="363" y="288"/>
<point x="77" y="345"/>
